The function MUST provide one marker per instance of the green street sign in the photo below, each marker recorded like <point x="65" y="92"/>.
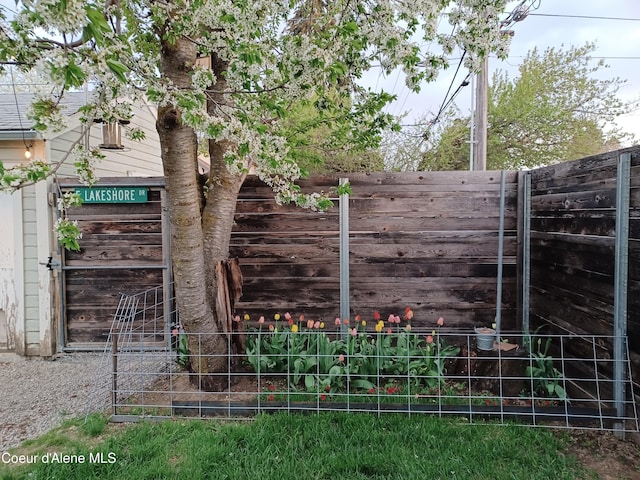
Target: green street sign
<point x="112" y="194"/>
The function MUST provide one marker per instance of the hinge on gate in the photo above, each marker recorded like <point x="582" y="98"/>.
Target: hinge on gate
<point x="52" y="263"/>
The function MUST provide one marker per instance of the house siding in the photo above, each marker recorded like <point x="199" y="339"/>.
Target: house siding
<point x="11" y="308"/>
<point x="31" y="288"/>
<point x="137" y="158"/>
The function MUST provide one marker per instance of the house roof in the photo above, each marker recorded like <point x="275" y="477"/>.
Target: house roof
<point x="14" y="123"/>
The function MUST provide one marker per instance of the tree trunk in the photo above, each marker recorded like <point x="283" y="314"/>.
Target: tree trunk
<point x="219" y="211"/>
<point x="208" y="348"/>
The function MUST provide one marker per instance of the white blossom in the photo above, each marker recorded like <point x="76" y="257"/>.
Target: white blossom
<point x="268" y="69"/>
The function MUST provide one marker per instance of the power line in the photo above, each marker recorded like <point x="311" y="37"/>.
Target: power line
<point x="446" y="103"/>
<point x="585" y="16"/>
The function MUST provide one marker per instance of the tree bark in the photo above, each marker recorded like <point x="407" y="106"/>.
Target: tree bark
<point x="208" y="348"/>
<point x="219" y="210"/>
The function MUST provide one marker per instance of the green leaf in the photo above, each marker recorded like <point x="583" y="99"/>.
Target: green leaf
<point x="97" y="25"/>
<point x="364" y="384"/>
<point x="560" y="392"/>
<point x="227" y="18"/>
<point x="309" y="382"/>
<point x="344" y="189"/>
<point x="243" y="149"/>
<point x="73" y="75"/>
<point x="349" y="28"/>
<point x="117" y="68"/>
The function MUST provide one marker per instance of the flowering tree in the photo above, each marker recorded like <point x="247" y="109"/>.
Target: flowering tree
<point x="262" y="58"/>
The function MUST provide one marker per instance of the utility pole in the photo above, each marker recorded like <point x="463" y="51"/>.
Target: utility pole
<point x="472" y="129"/>
<point x="482" y="105"/>
<point x="479" y="160"/>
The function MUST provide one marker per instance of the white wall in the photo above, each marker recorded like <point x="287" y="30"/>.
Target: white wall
<point x="137" y="157"/>
<point x="12" y="307"/>
<point x="11" y="311"/>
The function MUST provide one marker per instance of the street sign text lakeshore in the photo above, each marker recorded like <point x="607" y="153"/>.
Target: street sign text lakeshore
<point x="112" y="194"/>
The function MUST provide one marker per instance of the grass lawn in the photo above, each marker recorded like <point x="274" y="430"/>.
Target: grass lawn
<point x="301" y="447"/>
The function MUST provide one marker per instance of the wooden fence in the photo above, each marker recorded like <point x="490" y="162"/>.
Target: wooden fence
<point x="573" y="233"/>
<point x="125" y="249"/>
<point x="429" y="241"/>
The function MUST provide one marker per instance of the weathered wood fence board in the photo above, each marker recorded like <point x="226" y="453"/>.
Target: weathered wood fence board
<point x="573" y="250"/>
<point x="424" y="240"/>
<point x="430" y="241"/>
<point x="124" y="250"/>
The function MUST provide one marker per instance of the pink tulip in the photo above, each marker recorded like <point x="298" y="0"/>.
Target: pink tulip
<point x="261" y="320"/>
<point x="440" y="321"/>
<point x="429" y="339"/>
<point x="338" y="321"/>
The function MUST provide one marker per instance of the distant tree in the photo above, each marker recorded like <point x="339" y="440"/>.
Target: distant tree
<point x="451" y="152"/>
<point x="555" y="110"/>
<point x="324" y="145"/>
<point x="438" y="147"/>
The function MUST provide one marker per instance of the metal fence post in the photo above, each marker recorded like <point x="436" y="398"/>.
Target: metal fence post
<point x="620" y="286"/>
<point x="500" y="256"/>
<point x="345" y="309"/>
<point x="114" y="374"/>
<point x="526" y="256"/>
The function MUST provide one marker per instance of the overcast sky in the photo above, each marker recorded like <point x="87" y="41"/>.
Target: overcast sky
<point x="613" y="25"/>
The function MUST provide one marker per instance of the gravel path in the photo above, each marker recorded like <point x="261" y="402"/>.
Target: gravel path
<point x="37" y="395"/>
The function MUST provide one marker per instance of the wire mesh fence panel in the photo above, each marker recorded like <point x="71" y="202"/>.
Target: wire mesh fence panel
<point x="140" y="332"/>
<point x="538" y="379"/>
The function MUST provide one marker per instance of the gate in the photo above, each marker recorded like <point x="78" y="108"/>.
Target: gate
<point x="124" y="249"/>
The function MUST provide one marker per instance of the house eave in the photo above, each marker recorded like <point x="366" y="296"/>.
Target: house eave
<point x="20" y="135"/>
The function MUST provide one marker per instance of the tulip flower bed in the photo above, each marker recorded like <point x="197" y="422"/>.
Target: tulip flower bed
<point x="391" y="363"/>
<point x="381" y="366"/>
